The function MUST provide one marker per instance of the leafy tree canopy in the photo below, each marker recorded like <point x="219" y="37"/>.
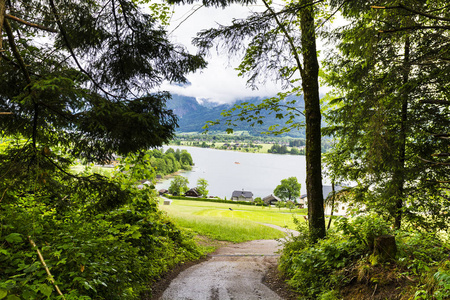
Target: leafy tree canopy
<point x="202" y="185"/>
<point x="178" y="186"/>
<point x="289" y="189"/>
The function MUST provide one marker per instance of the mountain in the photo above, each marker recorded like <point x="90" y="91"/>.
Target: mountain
<point x="193" y="116"/>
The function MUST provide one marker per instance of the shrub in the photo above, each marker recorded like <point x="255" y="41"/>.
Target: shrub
<point x="94" y="249"/>
<point x="313" y="269"/>
<point x="319" y="271"/>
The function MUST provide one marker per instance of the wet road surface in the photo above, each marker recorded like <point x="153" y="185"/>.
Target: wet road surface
<point x="233" y="272"/>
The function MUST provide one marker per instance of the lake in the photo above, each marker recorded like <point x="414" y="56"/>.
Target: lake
<point x="227" y="171"/>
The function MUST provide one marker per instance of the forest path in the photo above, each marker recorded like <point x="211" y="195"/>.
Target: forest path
<point x="232" y="272"/>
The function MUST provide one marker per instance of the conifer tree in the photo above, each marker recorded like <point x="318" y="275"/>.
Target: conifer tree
<point x="391" y="78"/>
<point x="79" y="80"/>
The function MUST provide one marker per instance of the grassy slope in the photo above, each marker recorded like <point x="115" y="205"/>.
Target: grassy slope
<point x="217" y="221"/>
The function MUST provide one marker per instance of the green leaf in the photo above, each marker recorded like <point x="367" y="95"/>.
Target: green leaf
<point x="87" y="286"/>
<point x="45" y="289"/>
<point x="136" y="235"/>
<point x="12" y="297"/>
<point x="3" y="293"/>
<point x="14" y="238"/>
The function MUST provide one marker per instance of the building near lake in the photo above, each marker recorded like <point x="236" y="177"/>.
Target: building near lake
<point x="341" y="206"/>
<point x="163" y="192"/>
<point x="242" y="196"/>
<point x="192" y="193"/>
<point x="271" y="200"/>
<point x="302" y="201"/>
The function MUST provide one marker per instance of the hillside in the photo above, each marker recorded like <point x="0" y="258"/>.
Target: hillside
<point x="193" y="116"/>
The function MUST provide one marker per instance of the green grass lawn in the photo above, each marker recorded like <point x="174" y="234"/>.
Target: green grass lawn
<point x="240" y="224"/>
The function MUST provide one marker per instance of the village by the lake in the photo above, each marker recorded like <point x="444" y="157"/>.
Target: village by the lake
<point x="228" y="173"/>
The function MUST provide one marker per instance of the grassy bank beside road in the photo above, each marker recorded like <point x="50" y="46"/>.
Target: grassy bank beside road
<point x="241" y="223"/>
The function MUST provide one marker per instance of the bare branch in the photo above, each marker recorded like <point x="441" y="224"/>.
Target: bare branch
<point x="441" y="154"/>
<point x="50" y="276"/>
<point x="434" y="162"/>
<point x="444" y="136"/>
<point x="29" y="24"/>
<point x="16" y="51"/>
<point x="185" y="19"/>
<point x="2" y="17"/>
<point x="330" y="16"/>
<point x="288" y="36"/>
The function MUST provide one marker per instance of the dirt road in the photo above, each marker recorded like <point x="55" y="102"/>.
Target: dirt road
<point x="233" y="272"/>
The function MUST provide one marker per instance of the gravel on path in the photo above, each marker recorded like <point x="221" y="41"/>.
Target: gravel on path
<point x="245" y="271"/>
<point x="233" y="272"/>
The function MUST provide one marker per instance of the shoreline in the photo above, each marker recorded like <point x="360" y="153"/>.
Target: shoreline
<point x="232" y="150"/>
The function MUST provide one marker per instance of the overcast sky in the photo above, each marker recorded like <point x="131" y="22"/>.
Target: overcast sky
<point x="219" y="82"/>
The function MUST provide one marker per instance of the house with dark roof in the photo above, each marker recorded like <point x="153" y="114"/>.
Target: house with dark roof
<point x="302" y="202"/>
<point x="242" y="196"/>
<point x="271" y="200"/>
<point x="192" y="193"/>
<point x="163" y="192"/>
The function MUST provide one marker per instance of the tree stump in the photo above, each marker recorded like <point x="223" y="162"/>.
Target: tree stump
<point x="385" y="248"/>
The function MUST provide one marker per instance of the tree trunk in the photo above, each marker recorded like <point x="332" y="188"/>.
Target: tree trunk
<point x="385" y="248"/>
<point x="310" y="86"/>
<point x="2" y="18"/>
<point x="399" y="173"/>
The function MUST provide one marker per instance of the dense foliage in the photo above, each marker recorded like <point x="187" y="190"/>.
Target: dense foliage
<point x="202" y="187"/>
<point x="179" y="185"/>
<point x="170" y="161"/>
<point x="277" y="149"/>
<point x="89" y="88"/>
<point x="92" y="251"/>
<point x="390" y="111"/>
<point x="344" y="260"/>
<point x="389" y="117"/>
<point x="79" y="83"/>
<point x="85" y="95"/>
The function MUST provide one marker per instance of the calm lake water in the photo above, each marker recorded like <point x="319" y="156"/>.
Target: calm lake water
<point x="227" y="171"/>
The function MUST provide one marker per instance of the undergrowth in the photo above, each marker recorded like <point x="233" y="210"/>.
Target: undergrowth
<point x="343" y="266"/>
<point x="91" y="251"/>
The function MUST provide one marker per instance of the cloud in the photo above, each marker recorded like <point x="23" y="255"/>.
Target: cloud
<point x="219" y="82"/>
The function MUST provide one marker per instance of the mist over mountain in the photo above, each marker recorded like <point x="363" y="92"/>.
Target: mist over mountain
<point x="194" y="115"/>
